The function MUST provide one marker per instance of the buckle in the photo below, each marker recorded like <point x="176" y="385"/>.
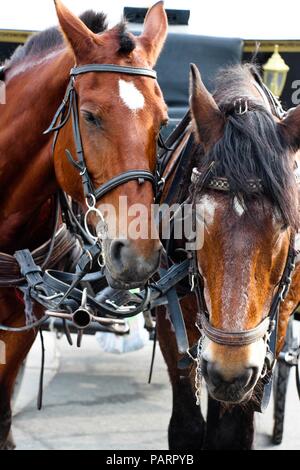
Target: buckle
<point x="241" y="106"/>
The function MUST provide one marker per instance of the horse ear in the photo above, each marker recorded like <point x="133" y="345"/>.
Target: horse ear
<point x="78" y="35"/>
<point x="209" y="121"/>
<point x="155" y="32"/>
<point x="290" y="126"/>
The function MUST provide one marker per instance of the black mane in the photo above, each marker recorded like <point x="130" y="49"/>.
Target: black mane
<point x="127" y="43"/>
<point x="252" y="146"/>
<point x="52" y="38"/>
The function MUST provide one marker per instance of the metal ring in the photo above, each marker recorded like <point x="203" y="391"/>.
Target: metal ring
<point x="96" y="211"/>
<point x="93" y="205"/>
<point x="86" y="225"/>
<point x="101" y="261"/>
<point x="87" y="229"/>
<point x="162" y="182"/>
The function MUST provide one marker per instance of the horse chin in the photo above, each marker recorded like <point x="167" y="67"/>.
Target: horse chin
<point x="232" y="398"/>
<point x="120" y="284"/>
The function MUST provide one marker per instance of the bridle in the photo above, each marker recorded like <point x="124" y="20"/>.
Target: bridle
<point x="267" y="330"/>
<point x="69" y="108"/>
<point x="267" y="326"/>
<point x="59" y="292"/>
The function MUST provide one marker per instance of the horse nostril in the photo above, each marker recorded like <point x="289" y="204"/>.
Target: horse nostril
<point x="215" y="377"/>
<point x="116" y="252"/>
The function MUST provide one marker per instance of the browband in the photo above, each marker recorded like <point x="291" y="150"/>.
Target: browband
<point x="222" y="184"/>
<point x="113" y="68"/>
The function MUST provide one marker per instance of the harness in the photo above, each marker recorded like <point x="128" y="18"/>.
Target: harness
<point x="58" y="291"/>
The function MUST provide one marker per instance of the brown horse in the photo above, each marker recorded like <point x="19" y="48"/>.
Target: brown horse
<point x="120" y="117"/>
<point x="247" y="238"/>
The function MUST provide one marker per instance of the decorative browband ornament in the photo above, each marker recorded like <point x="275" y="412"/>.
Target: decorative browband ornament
<point x="219" y="183"/>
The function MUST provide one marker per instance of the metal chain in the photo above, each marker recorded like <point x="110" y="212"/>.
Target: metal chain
<point x="198" y="375"/>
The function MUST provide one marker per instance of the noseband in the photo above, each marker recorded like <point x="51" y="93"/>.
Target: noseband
<point x="69" y="107"/>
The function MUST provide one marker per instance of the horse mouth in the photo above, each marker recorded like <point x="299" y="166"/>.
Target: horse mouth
<point x="120" y="284"/>
<point x="230" y="395"/>
<point x="232" y="399"/>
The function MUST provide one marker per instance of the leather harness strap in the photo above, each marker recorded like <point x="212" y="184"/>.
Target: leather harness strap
<point x="64" y="243"/>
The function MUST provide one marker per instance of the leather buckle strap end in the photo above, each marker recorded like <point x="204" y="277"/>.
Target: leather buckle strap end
<point x="28" y="268"/>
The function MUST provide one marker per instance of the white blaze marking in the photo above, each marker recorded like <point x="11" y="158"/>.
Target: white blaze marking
<point x="207" y="206"/>
<point x="131" y="96"/>
<point x="238" y="207"/>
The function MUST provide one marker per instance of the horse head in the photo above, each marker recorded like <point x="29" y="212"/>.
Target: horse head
<point x="120" y="112"/>
<point x="249" y="206"/>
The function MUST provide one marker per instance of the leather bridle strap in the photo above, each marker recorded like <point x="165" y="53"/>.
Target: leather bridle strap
<point x="234" y="338"/>
<point x="139" y="175"/>
<point x="267" y="329"/>
<point x="132" y="175"/>
<point x="269" y="98"/>
<point x="69" y="107"/>
<point x="110" y="68"/>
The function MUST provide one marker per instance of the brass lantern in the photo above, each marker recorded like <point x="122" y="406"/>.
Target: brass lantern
<point x="275" y="73"/>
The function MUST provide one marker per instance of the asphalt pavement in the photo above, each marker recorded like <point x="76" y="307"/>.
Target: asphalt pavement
<point x="102" y="401"/>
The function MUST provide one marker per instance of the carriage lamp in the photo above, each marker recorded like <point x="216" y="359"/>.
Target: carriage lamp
<point x="275" y="73"/>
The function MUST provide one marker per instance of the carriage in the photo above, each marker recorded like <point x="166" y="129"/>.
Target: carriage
<point x="71" y="298"/>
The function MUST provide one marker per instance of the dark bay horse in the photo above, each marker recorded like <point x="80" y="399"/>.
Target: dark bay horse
<point x="120" y="116"/>
<point x="247" y="240"/>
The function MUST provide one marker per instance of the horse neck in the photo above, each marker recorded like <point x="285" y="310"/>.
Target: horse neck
<point x="27" y="178"/>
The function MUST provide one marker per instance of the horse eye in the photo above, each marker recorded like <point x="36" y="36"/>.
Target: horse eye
<point x="164" y="124"/>
<point x="91" y="119"/>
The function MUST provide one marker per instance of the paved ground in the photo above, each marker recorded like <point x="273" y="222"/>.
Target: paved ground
<point x="100" y="401"/>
